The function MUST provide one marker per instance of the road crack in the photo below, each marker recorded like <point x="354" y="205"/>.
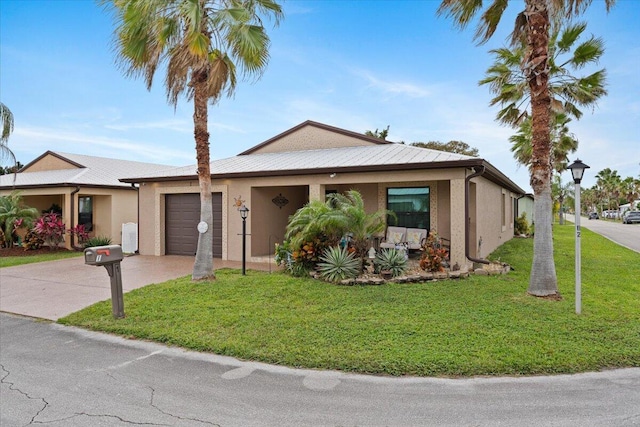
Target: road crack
<point x="13" y="387"/>
<point x="153" y="393"/>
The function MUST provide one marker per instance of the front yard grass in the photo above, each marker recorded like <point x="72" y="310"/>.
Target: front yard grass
<point x="483" y="325"/>
<point x="10" y="261"/>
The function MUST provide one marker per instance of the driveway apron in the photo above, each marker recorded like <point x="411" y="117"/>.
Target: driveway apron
<point x="54" y="289"/>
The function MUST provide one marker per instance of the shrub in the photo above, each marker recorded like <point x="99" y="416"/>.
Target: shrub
<point x="32" y="241"/>
<point x="434" y="254"/>
<point x="391" y="260"/>
<point x="13" y="215"/>
<point x="80" y="232"/>
<point x="521" y="227"/>
<point x="51" y="229"/>
<point x="338" y="264"/>
<point x="97" y="241"/>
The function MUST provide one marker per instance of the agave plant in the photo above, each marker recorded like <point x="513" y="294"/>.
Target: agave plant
<point x="391" y="260"/>
<point x="338" y="264"/>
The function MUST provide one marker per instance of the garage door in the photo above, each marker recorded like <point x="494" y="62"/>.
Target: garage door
<point x="182" y="215"/>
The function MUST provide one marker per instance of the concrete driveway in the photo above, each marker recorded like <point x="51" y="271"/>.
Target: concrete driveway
<point x="54" y="289"/>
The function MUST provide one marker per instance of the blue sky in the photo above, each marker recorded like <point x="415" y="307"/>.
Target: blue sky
<point x="358" y="65"/>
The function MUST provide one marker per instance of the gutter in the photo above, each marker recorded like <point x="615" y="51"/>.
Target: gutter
<point x="73" y="193"/>
<point x="478" y="171"/>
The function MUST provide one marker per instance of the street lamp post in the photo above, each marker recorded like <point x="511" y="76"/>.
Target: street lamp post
<point x="244" y="213"/>
<point x="577" y="169"/>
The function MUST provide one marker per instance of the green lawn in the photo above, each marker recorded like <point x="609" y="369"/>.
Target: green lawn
<point x="484" y="325"/>
<point x="10" y="261"/>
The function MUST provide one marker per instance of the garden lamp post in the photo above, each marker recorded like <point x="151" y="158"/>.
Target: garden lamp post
<point x="244" y="213"/>
<point x="577" y="171"/>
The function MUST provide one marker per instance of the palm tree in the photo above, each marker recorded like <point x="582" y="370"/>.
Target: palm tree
<point x="610" y="183"/>
<point x="630" y="190"/>
<point x="6" y="122"/>
<point x="532" y="25"/>
<point x="562" y="143"/>
<point x="200" y="43"/>
<point x="561" y="192"/>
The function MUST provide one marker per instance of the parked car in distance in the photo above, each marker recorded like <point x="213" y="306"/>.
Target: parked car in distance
<point x="594" y="215"/>
<point x="631" y="217"/>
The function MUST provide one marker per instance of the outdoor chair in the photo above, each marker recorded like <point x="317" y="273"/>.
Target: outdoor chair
<point x="395" y="236"/>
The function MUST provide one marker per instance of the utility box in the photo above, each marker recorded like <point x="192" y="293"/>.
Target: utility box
<point x="101" y="255"/>
<point x="109" y="257"/>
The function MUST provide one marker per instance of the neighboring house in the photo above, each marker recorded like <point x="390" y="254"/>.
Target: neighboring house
<point x="525" y="205"/>
<point x="426" y="189"/>
<point x="85" y="188"/>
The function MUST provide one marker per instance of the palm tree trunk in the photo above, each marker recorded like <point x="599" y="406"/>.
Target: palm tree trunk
<point x="543" y="280"/>
<point x="203" y="266"/>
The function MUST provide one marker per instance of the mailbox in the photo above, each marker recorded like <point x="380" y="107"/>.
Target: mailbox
<point x="101" y="255"/>
<point x="109" y="257"/>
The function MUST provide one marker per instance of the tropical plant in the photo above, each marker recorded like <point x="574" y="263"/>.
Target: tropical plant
<point x="630" y="189"/>
<point x="392" y="260"/>
<point x="32" y="241"/>
<point x="51" y="229"/>
<point x="337" y="264"/>
<point x="521" y="226"/>
<point x="97" y="241"/>
<point x="532" y="25"/>
<point x="13" y="215"/>
<point x="80" y="232"/>
<point x="199" y="44"/>
<point x="560" y="194"/>
<point x="434" y="253"/>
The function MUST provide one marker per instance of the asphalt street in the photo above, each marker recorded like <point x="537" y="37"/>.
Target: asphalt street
<point x="61" y="376"/>
<point x="627" y="235"/>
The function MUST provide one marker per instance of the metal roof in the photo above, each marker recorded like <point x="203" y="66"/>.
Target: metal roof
<point x="90" y="171"/>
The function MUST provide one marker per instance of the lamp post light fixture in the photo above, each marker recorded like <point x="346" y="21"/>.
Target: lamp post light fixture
<point x="244" y="213"/>
<point x="577" y="169"/>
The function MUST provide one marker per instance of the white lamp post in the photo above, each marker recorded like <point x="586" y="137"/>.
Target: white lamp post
<point x="244" y="213"/>
<point x="577" y="169"/>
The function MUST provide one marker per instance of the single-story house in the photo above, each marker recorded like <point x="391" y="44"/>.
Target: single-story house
<point x="525" y="205"/>
<point x="85" y="188"/>
<point x="465" y="199"/>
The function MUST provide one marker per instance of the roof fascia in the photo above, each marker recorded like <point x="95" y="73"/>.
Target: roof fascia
<point x="491" y="172"/>
<point x="66" y="184"/>
<point x="54" y="154"/>
<point x="320" y="126"/>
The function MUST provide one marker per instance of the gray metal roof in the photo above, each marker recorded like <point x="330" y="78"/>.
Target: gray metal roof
<point x="308" y="160"/>
<point x="94" y="171"/>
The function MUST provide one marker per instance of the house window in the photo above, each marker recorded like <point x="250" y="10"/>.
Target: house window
<point x="85" y="212"/>
<point x="504" y="210"/>
<point x="411" y="206"/>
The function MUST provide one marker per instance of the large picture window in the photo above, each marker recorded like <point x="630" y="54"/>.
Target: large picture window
<point x="411" y="206"/>
<point x="85" y="212"/>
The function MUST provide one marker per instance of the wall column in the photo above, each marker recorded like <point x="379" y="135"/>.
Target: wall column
<point x="66" y="214"/>
<point x="316" y="192"/>
<point x="457" y="223"/>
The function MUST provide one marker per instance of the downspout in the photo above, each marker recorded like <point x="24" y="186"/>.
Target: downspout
<point x="73" y="193"/>
<point x="133" y="185"/>
<point x="478" y="170"/>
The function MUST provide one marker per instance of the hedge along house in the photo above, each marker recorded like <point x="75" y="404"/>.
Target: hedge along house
<point x="85" y="188"/>
<point x="426" y="189"/>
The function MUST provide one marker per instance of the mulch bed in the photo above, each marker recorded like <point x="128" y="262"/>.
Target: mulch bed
<point x="19" y="251"/>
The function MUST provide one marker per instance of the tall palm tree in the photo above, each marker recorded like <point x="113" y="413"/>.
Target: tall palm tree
<point x="533" y="25"/>
<point x="610" y="183"/>
<point x="6" y="123"/>
<point x="201" y="42"/>
<point x="630" y="188"/>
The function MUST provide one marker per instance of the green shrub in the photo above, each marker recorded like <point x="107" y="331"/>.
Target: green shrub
<point x="391" y="260"/>
<point x="521" y="227"/>
<point x="338" y="264"/>
<point x="97" y="241"/>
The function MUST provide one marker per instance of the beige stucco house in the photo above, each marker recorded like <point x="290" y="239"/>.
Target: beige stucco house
<point x="426" y="188"/>
<point x="85" y="188"/>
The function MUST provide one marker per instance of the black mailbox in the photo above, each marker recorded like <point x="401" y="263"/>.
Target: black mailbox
<point x="109" y="257"/>
<point x="101" y="255"/>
